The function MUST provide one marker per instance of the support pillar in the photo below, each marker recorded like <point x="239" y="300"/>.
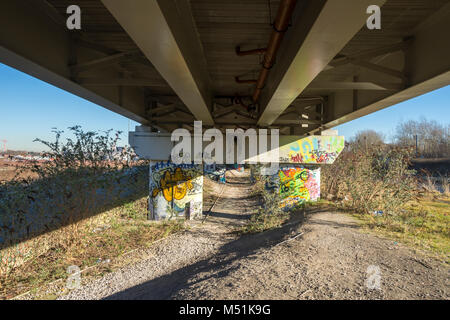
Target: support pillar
<point x="175" y="189"/>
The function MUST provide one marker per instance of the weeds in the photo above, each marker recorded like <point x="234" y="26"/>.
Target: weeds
<point x="270" y="215"/>
<point x="378" y="179"/>
<point x="373" y="179"/>
<point x="87" y="204"/>
<point x="429" y="184"/>
<point x="435" y="184"/>
<point x="446" y="186"/>
<point x="423" y="223"/>
<point x="105" y="237"/>
<point x="85" y="177"/>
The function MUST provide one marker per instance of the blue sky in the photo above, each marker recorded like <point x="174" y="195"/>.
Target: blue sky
<point x="30" y="108"/>
<point x="434" y="105"/>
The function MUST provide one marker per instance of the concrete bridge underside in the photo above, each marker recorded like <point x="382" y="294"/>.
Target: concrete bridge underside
<point x="167" y="63"/>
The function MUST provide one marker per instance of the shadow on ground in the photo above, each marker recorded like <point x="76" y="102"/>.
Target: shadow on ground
<point x="167" y="286"/>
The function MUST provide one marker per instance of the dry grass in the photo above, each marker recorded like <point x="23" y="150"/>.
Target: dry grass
<point x="446" y="187"/>
<point x="65" y="191"/>
<point x="270" y="215"/>
<point x="429" y="184"/>
<point x="9" y="170"/>
<point x="436" y="184"/>
<point x="260" y="222"/>
<point x="372" y="179"/>
<point x="416" y="210"/>
<point x="423" y="223"/>
<point x="88" y="243"/>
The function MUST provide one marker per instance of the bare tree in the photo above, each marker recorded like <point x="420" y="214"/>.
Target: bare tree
<point x="367" y="138"/>
<point x="431" y="139"/>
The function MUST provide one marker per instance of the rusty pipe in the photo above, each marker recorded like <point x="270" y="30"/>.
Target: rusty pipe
<point x="238" y="80"/>
<point x="240" y="52"/>
<point x="280" y="26"/>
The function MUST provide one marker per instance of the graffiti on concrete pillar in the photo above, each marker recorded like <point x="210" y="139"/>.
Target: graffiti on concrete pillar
<point x="175" y="189"/>
<point x="298" y="184"/>
<point x="312" y="150"/>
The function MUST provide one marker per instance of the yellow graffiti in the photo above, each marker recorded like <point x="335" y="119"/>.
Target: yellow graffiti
<point x="313" y="149"/>
<point x="174" y="186"/>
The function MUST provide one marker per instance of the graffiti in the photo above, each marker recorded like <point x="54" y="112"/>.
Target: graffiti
<point x="175" y="190"/>
<point x="312" y="150"/>
<point x="174" y="186"/>
<point x="297" y="158"/>
<point x="323" y="156"/>
<point x="298" y="184"/>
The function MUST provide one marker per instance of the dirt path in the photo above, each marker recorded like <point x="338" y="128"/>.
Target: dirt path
<point x="329" y="260"/>
<point x="235" y="203"/>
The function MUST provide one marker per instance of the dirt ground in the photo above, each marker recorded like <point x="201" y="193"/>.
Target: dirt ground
<point x="8" y="170"/>
<point x="319" y="255"/>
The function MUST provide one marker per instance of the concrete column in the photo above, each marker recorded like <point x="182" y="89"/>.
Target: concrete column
<point x="176" y="189"/>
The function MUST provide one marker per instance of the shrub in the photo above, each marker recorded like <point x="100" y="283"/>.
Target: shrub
<point x="86" y="175"/>
<point x="370" y="179"/>
<point x="270" y="214"/>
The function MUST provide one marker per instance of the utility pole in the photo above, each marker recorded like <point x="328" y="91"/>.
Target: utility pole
<point x="417" y="152"/>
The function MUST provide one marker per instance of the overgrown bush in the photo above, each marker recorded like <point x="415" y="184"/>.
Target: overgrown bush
<point x="84" y="176"/>
<point x="370" y="178"/>
<point x="270" y="214"/>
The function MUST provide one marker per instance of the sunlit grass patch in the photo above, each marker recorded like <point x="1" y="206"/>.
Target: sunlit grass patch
<point x="423" y="223"/>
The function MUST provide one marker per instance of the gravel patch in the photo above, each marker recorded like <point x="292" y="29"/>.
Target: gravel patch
<point x="165" y="257"/>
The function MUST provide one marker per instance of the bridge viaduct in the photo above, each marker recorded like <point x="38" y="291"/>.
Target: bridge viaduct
<point x="300" y="66"/>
